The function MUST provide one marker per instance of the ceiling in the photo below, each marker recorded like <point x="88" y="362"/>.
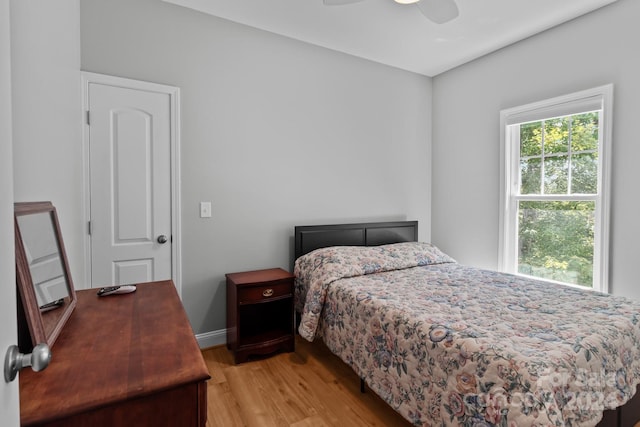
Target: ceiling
<point x="399" y="35"/>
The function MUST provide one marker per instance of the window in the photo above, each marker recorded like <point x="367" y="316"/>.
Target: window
<point x="555" y="188"/>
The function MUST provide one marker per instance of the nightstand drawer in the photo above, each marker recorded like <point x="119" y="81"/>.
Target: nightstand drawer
<point x="266" y="292"/>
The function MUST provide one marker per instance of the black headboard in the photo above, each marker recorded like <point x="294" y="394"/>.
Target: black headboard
<point x="312" y="237"/>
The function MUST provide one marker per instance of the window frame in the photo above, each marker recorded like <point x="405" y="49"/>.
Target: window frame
<point x="598" y="98"/>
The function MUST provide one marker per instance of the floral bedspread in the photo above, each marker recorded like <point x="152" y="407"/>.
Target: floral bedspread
<point x="446" y="344"/>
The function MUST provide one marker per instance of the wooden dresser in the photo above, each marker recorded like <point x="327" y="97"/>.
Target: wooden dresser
<point x="121" y="360"/>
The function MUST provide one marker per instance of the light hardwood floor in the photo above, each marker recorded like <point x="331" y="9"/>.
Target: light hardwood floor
<point x="308" y="388"/>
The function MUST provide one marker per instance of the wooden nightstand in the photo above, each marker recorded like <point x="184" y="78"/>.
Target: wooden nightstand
<point x="260" y="312"/>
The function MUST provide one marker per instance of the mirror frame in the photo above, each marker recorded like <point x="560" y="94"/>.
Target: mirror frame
<point x="34" y="318"/>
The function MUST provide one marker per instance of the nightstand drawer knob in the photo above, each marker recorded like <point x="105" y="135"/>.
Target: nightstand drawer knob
<point x="267" y="292"/>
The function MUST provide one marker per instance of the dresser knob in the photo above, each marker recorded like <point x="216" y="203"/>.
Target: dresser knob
<point x="267" y="292"/>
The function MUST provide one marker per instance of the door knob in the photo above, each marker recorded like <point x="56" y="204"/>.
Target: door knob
<point x="14" y="361"/>
<point x="162" y="239"/>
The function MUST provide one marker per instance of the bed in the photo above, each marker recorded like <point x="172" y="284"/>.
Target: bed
<point x="447" y="344"/>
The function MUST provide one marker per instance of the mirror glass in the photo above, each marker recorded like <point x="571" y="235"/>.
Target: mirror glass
<point x="42" y="271"/>
<point x="43" y="257"/>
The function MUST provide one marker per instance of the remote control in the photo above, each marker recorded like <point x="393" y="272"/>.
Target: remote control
<point x="52" y="305"/>
<point x="114" y="290"/>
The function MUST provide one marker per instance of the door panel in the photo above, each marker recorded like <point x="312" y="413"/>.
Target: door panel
<point x="130" y="271"/>
<point x="130" y="179"/>
<point x="131" y="171"/>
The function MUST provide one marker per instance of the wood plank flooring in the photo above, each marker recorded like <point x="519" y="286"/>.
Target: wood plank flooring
<point x="308" y="388"/>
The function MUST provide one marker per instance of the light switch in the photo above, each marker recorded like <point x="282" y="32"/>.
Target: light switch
<point x="205" y="209"/>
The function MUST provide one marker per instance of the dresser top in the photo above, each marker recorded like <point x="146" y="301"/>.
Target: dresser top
<point x="112" y="349"/>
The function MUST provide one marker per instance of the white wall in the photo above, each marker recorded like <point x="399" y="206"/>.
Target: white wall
<point x="47" y="148"/>
<point x="275" y="133"/>
<point x="592" y="50"/>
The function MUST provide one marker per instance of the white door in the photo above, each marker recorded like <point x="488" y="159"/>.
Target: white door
<point x="130" y="182"/>
<point x="9" y="393"/>
<point x="9" y="401"/>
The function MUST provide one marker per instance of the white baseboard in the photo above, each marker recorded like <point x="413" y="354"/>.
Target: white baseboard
<point x="212" y="339"/>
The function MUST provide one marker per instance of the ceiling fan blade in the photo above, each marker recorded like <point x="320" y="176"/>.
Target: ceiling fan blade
<point x="339" y="2"/>
<point x="439" y="11"/>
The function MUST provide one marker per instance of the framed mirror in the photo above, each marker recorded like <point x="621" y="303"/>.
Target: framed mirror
<point x="42" y="271"/>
